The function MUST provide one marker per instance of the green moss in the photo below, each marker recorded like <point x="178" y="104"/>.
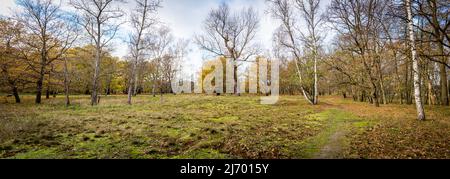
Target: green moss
<point x="181" y="126"/>
<point x="171" y="132"/>
<point x="361" y="124"/>
<point x="203" y="154"/>
<point x="336" y="120"/>
<point x="48" y="153"/>
<point x="225" y="119"/>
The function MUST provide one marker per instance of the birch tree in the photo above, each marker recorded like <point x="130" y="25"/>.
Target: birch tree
<point x="141" y="21"/>
<point x="288" y="36"/>
<point x="313" y="17"/>
<point x="160" y="51"/>
<point x="100" y="19"/>
<point x="417" y="93"/>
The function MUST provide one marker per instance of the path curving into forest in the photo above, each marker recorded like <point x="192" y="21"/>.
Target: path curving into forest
<point x="333" y="141"/>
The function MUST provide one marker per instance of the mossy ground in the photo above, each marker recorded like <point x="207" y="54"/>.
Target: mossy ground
<point x="200" y="126"/>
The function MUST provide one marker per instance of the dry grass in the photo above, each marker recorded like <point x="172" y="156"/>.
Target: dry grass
<point x="188" y="126"/>
<point x="396" y="134"/>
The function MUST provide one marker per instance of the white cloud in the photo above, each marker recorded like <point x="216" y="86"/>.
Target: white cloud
<point x="6" y="7"/>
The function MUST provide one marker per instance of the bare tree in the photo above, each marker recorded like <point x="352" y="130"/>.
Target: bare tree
<point x="230" y="35"/>
<point x="171" y="63"/>
<point x="66" y="82"/>
<point x="99" y="18"/>
<point x="160" y="51"/>
<point x="436" y="14"/>
<point x="141" y="21"/>
<point x="288" y="36"/>
<point x="313" y="17"/>
<point x="49" y="32"/>
<point x="417" y="93"/>
<point x="359" y="21"/>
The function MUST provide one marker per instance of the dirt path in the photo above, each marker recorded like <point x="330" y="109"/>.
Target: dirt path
<point x="332" y="142"/>
<point x="333" y="148"/>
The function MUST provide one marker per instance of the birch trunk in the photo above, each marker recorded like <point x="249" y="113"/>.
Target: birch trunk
<point x="419" y="106"/>
<point x="316" y="87"/>
<point x="136" y="79"/>
<point x="132" y="81"/>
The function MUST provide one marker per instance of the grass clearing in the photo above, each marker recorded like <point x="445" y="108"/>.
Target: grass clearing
<point x="200" y="126"/>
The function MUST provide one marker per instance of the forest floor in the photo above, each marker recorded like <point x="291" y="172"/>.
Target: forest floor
<point x="200" y="126"/>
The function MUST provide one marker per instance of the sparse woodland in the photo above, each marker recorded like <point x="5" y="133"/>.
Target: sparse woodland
<point x="361" y="60"/>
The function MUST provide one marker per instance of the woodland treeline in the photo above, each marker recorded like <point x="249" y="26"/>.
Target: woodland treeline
<point x="381" y="52"/>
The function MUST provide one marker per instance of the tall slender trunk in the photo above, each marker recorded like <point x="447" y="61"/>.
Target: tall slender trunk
<point x="406" y="87"/>
<point x="40" y="80"/>
<point x="417" y="95"/>
<point x="315" y="54"/>
<point x="132" y="81"/>
<point x="135" y="88"/>
<point x="380" y="76"/>
<point x="66" y="82"/>
<point x="430" y="79"/>
<point x="94" y="96"/>
<point x="316" y="88"/>
<point x="431" y="98"/>
<point x="130" y="90"/>
<point x="235" y="76"/>
<point x="382" y="90"/>
<point x="408" y="77"/>
<point x="443" y="73"/>
<point x="305" y="94"/>
<point x="397" y="77"/>
<point x="98" y="54"/>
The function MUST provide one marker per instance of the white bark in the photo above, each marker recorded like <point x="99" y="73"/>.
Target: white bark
<point x="141" y="21"/>
<point x="132" y="81"/>
<point x="417" y="95"/>
<point x="99" y="20"/>
<point x="309" y="10"/>
<point x="316" y="85"/>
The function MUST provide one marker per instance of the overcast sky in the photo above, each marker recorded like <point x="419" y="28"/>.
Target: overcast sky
<point x="185" y="18"/>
